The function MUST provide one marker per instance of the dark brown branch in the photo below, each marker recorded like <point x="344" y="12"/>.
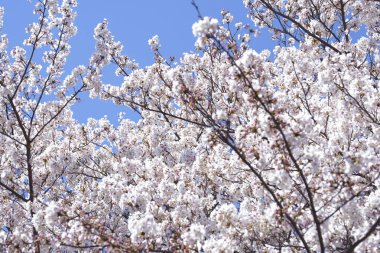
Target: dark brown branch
<point x="19" y="196"/>
<point x="272" y="9"/>
<point x="370" y="231"/>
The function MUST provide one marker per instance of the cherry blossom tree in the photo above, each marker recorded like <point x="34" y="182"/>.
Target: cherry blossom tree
<point x="235" y="151"/>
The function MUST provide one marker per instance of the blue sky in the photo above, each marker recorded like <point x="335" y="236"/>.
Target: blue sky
<point x="133" y="22"/>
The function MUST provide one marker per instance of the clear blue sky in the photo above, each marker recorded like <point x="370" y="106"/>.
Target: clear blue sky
<point x="133" y="22"/>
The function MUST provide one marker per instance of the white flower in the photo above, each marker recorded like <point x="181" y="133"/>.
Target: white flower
<point x="220" y="245"/>
<point x="239" y="25"/>
<point x="225" y="215"/>
<point x="3" y="236"/>
<point x="246" y="37"/>
<point x="227" y="17"/>
<point x="51" y="214"/>
<point x="195" y="235"/>
<point x="154" y="42"/>
<point x="205" y="26"/>
<point x="143" y="226"/>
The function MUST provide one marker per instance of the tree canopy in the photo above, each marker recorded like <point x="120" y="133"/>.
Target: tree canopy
<point x="236" y="150"/>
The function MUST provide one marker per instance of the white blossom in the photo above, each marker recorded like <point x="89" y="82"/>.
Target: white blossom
<point x="154" y="42"/>
<point x="205" y="26"/>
